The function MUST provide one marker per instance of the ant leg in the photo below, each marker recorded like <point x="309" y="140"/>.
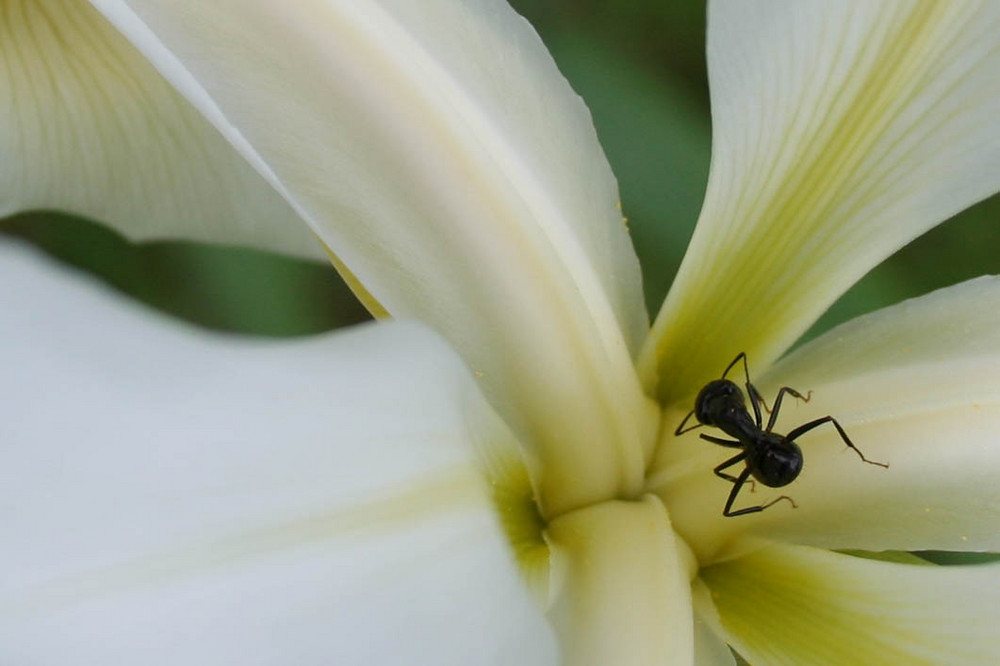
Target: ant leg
<point x="741" y="356"/>
<point x="739" y="457"/>
<point x="755" y="398"/>
<point x="729" y="463"/>
<point x="802" y="429"/>
<point x="756" y="401"/>
<point x="681" y="430"/>
<point x="737" y="484"/>
<point x="731" y="443"/>
<point x="778" y="499"/>
<point x="777" y="404"/>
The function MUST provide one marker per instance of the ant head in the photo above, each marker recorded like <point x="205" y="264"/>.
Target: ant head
<point x="718" y="398"/>
<point x="777" y="463"/>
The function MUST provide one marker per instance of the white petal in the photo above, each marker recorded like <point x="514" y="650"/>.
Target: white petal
<point x="436" y="149"/>
<point x="710" y="647"/>
<point x="801" y="606"/>
<point x="962" y="321"/>
<point x="916" y="385"/>
<point x="841" y="130"/>
<point x="89" y="127"/>
<point x="621" y="586"/>
<point x="172" y="497"/>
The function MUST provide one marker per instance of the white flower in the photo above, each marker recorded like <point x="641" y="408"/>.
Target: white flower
<point x="513" y="493"/>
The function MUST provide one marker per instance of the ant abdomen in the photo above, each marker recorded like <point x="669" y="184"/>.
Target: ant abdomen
<point x="777" y="464"/>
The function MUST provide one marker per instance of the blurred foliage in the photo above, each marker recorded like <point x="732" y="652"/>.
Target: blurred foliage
<point x="640" y="66"/>
<point x="948" y="558"/>
<point x="230" y="289"/>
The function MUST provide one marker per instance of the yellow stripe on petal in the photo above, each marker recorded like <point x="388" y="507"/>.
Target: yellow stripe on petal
<point x="88" y="126"/>
<point x="800" y="606"/>
<point x="841" y="131"/>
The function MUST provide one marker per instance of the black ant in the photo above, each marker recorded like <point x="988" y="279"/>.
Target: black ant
<point x="774" y="460"/>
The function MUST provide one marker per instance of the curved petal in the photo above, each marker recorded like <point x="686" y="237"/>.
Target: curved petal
<point x="172" y="497"/>
<point x="438" y="152"/>
<point x="711" y="648"/>
<point x="840" y="132"/>
<point x="957" y="322"/>
<point x="621" y="586"/>
<point x="89" y="127"/>
<point x="801" y="606"/>
<point x="916" y="385"/>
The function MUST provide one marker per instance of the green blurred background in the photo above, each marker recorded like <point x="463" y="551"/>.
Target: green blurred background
<point x="640" y="66"/>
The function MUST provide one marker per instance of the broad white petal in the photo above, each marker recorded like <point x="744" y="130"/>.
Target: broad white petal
<point x="172" y="497"/>
<point x="841" y="131"/>
<point x="798" y="606"/>
<point x="917" y="386"/>
<point x="621" y="592"/>
<point x="438" y="152"/>
<point x="88" y="126"/>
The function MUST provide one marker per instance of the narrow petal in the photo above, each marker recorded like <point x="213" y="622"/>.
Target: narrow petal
<point x="437" y="151"/>
<point x="917" y="386"/>
<point x="709" y="648"/>
<point x="841" y="130"/>
<point x="622" y="595"/>
<point x="171" y="497"/>
<point x="800" y="606"/>
<point x="88" y="126"/>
